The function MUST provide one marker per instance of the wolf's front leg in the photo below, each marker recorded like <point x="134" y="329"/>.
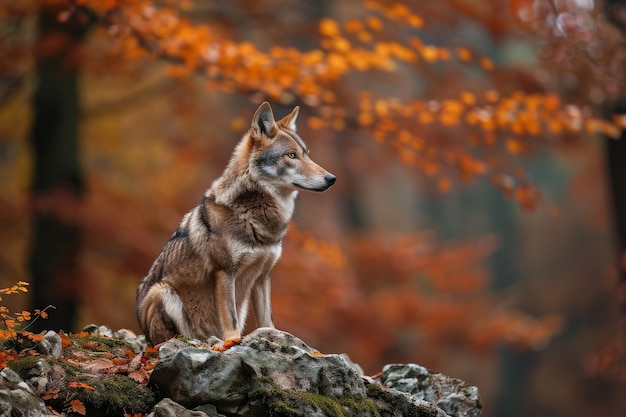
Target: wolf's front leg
<point x="262" y="302"/>
<point x="227" y="305"/>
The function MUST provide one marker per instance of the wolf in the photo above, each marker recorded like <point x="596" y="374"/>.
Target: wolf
<point x="220" y="257"/>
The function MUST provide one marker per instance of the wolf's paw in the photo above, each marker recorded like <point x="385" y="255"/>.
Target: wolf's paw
<point x="227" y="344"/>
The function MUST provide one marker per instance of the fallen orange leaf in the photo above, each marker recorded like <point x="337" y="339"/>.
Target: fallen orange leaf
<point x="65" y="340"/>
<point x="51" y="395"/>
<point x="226" y="345"/>
<point x="81" y="385"/>
<point x="77" y="406"/>
<point x="120" y="361"/>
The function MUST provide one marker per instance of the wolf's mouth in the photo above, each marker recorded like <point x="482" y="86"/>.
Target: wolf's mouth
<point x="318" y="189"/>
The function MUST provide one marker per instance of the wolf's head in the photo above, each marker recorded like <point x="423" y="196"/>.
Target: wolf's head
<point x="280" y="157"/>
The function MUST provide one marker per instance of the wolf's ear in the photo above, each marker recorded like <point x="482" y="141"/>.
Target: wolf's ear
<point x="263" y="121"/>
<point x="289" y="121"/>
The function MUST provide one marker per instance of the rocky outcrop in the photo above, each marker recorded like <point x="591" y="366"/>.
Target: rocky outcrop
<point x="454" y="396"/>
<point x="274" y="373"/>
<point x="269" y="372"/>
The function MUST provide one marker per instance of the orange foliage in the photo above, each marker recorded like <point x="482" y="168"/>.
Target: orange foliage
<point x="11" y="325"/>
<point x="366" y="44"/>
<point x="399" y="286"/>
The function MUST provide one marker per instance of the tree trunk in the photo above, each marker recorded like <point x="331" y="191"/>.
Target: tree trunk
<point x="616" y="157"/>
<point x="54" y="137"/>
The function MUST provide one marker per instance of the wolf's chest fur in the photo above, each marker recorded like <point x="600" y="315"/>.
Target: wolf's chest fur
<point x="252" y="225"/>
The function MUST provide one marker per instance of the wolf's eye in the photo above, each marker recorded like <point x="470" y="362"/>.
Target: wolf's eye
<point x="292" y="155"/>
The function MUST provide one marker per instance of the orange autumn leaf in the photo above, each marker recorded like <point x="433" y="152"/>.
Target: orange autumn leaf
<point x="120" y="361"/>
<point x="33" y="337"/>
<point x="92" y="346"/>
<point x="468" y="98"/>
<point x="429" y="53"/>
<point x="232" y="342"/>
<point x="226" y="345"/>
<point x="42" y="314"/>
<point x="527" y="196"/>
<point x="81" y="385"/>
<point x="487" y="64"/>
<point x="514" y="146"/>
<point x="77" y="406"/>
<point x="141" y="376"/>
<point x="51" y="395"/>
<point x="65" y="340"/>
<point x="444" y="184"/>
<point x="552" y="102"/>
<point x="464" y="54"/>
<point x="329" y="27"/>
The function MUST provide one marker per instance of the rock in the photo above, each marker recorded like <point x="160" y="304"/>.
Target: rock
<point x="192" y="376"/>
<point x="357" y="368"/>
<point x="292" y="365"/>
<point x="51" y="345"/>
<point x="98" y="330"/>
<point x="168" y="408"/>
<point x="17" y="399"/>
<point x="37" y="377"/>
<point x="137" y="342"/>
<point x="274" y="373"/>
<point x="209" y="409"/>
<point x="393" y="403"/>
<point x="269" y="358"/>
<point x="454" y="396"/>
<point x="269" y="372"/>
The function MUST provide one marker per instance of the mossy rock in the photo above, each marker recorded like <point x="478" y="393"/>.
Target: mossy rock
<point x="282" y="403"/>
<point x="102" y="394"/>
<point x="393" y="403"/>
<point x="114" y="395"/>
<point x="23" y="365"/>
<point x="93" y="344"/>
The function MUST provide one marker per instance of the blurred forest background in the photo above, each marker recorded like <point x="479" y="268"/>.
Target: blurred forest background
<point x="476" y="224"/>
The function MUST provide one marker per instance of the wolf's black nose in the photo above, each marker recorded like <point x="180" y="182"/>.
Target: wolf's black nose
<point x="330" y="179"/>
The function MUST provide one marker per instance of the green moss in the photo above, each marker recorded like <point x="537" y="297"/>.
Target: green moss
<point x="115" y="395"/>
<point x="98" y="343"/>
<point x="281" y="403"/>
<point x="185" y="339"/>
<point x="21" y="366"/>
